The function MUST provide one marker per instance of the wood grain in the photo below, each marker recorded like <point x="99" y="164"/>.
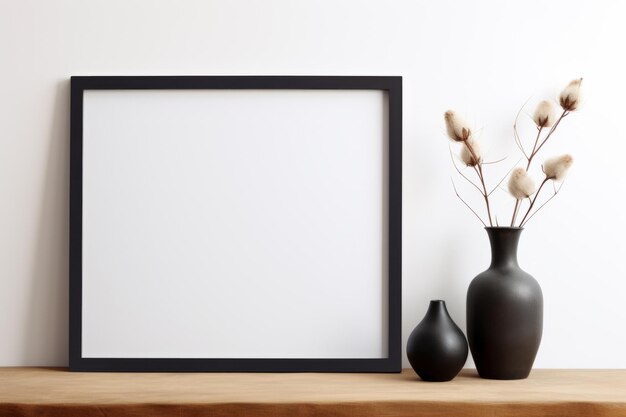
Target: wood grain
<point x="56" y="392"/>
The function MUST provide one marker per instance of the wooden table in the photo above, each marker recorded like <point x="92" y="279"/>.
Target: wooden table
<point x="56" y="392"/>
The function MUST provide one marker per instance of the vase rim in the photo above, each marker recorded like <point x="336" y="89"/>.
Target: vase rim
<point x="438" y="301"/>
<point x="503" y="228"/>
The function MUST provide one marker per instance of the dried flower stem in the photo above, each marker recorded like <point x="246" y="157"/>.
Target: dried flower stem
<point x="532" y="202"/>
<point x="529" y="159"/>
<point x="536" y="147"/>
<point x="503" y="178"/>
<point x="467" y="205"/>
<point x="461" y="174"/>
<point x="556" y="191"/>
<point x="515" y="212"/>
<point x="518" y="141"/>
<point x="550" y="132"/>
<point x="494" y="162"/>
<point x="479" y="171"/>
<point x="521" y="185"/>
<point x="532" y="154"/>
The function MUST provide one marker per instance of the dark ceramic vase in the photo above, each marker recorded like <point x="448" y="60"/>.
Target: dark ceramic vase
<point x="437" y="348"/>
<point x="504" y="312"/>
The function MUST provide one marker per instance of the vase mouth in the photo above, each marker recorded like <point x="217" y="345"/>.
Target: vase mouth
<point x="438" y="301"/>
<point x="503" y="228"/>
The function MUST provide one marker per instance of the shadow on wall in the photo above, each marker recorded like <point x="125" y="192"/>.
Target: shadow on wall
<point x="47" y="319"/>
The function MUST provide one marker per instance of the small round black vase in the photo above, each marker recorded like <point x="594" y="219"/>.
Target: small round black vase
<point x="504" y="312"/>
<point x="437" y="348"/>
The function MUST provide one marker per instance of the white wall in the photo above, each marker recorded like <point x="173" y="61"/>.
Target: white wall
<point x="483" y="58"/>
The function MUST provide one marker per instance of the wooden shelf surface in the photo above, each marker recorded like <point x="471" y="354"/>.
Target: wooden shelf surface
<point x="57" y="392"/>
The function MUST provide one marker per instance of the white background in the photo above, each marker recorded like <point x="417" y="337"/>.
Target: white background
<point x="482" y="58"/>
<point x="234" y="224"/>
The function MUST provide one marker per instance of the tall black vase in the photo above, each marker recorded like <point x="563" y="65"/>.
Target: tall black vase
<point x="437" y="348"/>
<point x="504" y="312"/>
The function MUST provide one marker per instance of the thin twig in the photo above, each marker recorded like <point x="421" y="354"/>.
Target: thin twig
<point x="467" y="205"/>
<point x="556" y="191"/>
<point x="479" y="171"/>
<point x="514" y="212"/>
<point x="518" y="141"/>
<point x="532" y="202"/>
<point x="532" y="154"/>
<point x="565" y="113"/>
<point x="494" y="162"/>
<point x="530" y="157"/>
<point x="503" y="178"/>
<point x="461" y="174"/>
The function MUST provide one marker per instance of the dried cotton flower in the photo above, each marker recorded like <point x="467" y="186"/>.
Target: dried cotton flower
<point x="556" y="168"/>
<point x="545" y="116"/>
<point x="467" y="157"/>
<point x="521" y="186"/>
<point x="570" y="96"/>
<point x="457" y="128"/>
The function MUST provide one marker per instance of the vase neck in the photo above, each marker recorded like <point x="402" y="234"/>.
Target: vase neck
<point x="437" y="309"/>
<point x="504" y="242"/>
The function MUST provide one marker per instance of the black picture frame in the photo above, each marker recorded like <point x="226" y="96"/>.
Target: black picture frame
<point x="391" y="85"/>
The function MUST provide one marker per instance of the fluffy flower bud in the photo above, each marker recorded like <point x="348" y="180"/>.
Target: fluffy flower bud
<point x="466" y="155"/>
<point x="545" y="116"/>
<point x="570" y="96"/>
<point x="521" y="186"/>
<point x="556" y="168"/>
<point x="457" y="128"/>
